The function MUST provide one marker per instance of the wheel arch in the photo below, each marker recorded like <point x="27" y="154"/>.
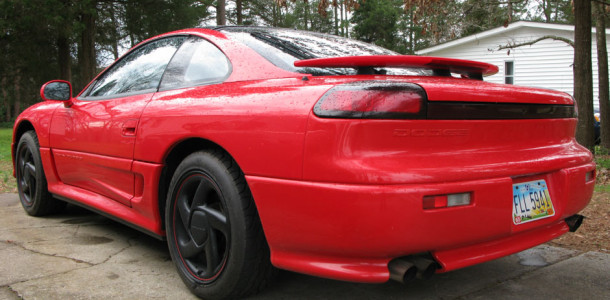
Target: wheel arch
<point x="172" y="159"/>
<point x="18" y="131"/>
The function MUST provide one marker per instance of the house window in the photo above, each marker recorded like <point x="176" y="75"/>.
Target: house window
<point x="509" y="72"/>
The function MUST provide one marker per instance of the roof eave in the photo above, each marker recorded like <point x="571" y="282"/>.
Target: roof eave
<point x="495" y="31"/>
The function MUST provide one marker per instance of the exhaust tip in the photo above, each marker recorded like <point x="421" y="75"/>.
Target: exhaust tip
<point x="574" y="222"/>
<point x="407" y="268"/>
<point x="425" y="267"/>
<point x="402" y="270"/>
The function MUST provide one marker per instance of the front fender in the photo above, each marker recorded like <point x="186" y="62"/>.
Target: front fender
<point x="37" y="117"/>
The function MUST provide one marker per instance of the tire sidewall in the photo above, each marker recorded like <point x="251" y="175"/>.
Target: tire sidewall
<point x="28" y="140"/>
<point x="215" y="169"/>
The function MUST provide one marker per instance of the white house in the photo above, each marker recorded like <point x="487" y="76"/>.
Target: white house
<point x="546" y="64"/>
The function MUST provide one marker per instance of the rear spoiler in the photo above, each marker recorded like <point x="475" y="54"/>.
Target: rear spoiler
<point x="439" y="65"/>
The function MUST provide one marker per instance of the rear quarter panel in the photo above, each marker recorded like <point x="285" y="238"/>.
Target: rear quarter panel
<point x="260" y="123"/>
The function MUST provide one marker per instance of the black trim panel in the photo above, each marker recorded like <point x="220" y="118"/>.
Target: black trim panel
<point x="109" y="216"/>
<point x="446" y="110"/>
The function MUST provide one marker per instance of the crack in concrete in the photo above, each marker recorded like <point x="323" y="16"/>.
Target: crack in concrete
<point x="8" y="287"/>
<point x="9" y="242"/>
<point x="47" y="226"/>
<point x="87" y="264"/>
<point x="129" y="245"/>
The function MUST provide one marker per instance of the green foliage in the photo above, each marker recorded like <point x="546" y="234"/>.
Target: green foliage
<point x="31" y="32"/>
<point x="295" y="14"/>
<point x="41" y="40"/>
<point x="602" y="188"/>
<point x="6" y="136"/>
<point x="480" y="16"/>
<point x="27" y="51"/>
<point x="376" y="21"/>
<point x="602" y="157"/>
<point x="147" y="18"/>
<point x="552" y="11"/>
<point x="603" y="162"/>
<point x="7" y="181"/>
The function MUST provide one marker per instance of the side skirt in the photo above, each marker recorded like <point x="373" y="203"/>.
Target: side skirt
<point x="109" y="216"/>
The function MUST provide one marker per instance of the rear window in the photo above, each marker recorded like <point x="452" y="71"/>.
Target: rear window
<point x="282" y="47"/>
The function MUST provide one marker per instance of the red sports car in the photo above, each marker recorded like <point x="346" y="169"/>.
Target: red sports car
<point x="252" y="148"/>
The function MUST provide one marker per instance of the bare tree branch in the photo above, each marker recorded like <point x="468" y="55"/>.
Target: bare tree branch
<point x="532" y="42"/>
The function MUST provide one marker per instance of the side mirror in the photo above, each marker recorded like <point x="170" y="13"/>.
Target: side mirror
<point x="58" y="90"/>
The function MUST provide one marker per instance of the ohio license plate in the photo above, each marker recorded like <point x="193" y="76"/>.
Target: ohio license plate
<point x="531" y="201"/>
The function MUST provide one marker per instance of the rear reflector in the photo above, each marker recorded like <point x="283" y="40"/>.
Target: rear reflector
<point x="590" y="176"/>
<point x="458" y="199"/>
<point x="450" y="200"/>
<point x="373" y="100"/>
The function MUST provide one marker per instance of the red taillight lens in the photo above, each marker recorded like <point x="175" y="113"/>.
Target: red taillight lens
<point x="373" y="100"/>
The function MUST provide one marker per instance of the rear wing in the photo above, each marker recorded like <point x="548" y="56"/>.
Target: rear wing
<point x="439" y="65"/>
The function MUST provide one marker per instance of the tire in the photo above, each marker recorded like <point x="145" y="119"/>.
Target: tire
<point x="214" y="234"/>
<point x="31" y="181"/>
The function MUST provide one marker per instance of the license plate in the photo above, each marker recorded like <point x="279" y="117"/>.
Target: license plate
<point x="531" y="201"/>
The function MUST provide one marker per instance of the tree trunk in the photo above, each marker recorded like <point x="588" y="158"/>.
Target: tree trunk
<point x="306" y="9"/>
<point x="87" y="56"/>
<point x="342" y="19"/>
<point x="7" y="103"/>
<point x="64" y="59"/>
<point x="115" y="33"/>
<point x="509" y="8"/>
<point x="17" y="99"/>
<point x="583" y="75"/>
<point x="275" y="14"/>
<point x="336" y="7"/>
<point x="602" y="67"/>
<point x="345" y="20"/>
<point x="411" y="32"/>
<point x="547" y="11"/>
<point x="239" y="10"/>
<point x="221" y="12"/>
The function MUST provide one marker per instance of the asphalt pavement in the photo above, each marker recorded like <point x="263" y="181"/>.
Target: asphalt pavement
<point x="81" y="255"/>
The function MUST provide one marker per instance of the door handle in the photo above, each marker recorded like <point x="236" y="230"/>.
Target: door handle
<point x="129" y="127"/>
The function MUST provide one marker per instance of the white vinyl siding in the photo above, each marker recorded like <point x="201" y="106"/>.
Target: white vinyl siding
<point x="546" y="64"/>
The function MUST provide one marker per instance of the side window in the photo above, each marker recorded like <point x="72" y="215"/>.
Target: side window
<point x="509" y="72"/>
<point x="196" y="62"/>
<point x="139" y="71"/>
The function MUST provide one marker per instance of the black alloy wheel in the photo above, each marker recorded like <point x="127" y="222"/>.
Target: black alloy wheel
<point x="26" y="175"/>
<point x="214" y="234"/>
<point x="202" y="230"/>
<point x="31" y="181"/>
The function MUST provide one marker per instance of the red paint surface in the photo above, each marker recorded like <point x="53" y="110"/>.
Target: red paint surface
<point x="337" y="198"/>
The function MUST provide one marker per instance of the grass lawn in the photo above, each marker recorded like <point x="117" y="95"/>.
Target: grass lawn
<point x="7" y="181"/>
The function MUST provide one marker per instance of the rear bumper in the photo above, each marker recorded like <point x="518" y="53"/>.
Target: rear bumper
<point x="351" y="232"/>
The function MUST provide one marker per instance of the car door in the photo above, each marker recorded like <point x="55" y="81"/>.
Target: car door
<point x="92" y="138"/>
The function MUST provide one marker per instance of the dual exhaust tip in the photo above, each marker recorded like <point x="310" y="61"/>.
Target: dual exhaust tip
<point x="406" y="269"/>
<point x="574" y="222"/>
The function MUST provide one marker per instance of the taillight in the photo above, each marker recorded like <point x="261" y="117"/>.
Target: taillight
<point x="373" y="100"/>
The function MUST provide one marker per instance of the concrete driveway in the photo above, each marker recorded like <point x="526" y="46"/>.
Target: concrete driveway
<point x="80" y="255"/>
